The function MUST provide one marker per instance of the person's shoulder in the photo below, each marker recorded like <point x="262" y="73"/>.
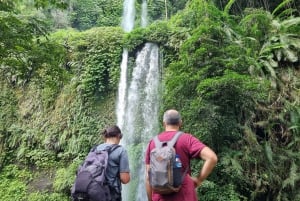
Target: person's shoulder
<point x="121" y="148"/>
<point x="106" y="146"/>
<point x="100" y="146"/>
<point x="186" y="136"/>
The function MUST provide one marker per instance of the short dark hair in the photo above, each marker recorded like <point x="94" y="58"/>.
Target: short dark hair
<point x="112" y="131"/>
<point x="172" y="117"/>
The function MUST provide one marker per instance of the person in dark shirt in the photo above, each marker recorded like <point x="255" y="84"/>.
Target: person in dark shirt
<point x="117" y="171"/>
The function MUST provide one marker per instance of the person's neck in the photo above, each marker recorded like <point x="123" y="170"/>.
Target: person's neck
<point x="113" y="140"/>
<point x="171" y="128"/>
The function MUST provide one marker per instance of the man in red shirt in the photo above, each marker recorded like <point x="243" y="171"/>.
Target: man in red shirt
<point x="188" y="147"/>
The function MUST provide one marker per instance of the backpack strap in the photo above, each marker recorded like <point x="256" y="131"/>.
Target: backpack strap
<point x="171" y="143"/>
<point x="109" y="148"/>
<point x="157" y="142"/>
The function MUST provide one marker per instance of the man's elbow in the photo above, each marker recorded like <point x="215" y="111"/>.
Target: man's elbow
<point x="209" y="155"/>
<point x="214" y="159"/>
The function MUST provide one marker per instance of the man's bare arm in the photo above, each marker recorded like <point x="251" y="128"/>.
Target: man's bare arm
<point x="210" y="161"/>
<point x="147" y="182"/>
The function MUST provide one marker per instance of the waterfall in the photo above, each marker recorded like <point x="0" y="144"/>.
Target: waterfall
<point x="138" y="103"/>
<point x="121" y="102"/>
<point x="127" y="25"/>
<point x="144" y="21"/>
<point x="128" y="15"/>
<point x="141" y="117"/>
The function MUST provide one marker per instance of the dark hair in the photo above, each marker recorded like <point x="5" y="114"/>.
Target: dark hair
<point x="113" y="131"/>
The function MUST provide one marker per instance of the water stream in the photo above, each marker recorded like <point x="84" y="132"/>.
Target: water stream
<point x="138" y="103"/>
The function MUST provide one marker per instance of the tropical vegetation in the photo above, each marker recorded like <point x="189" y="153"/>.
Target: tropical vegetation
<point x="233" y="67"/>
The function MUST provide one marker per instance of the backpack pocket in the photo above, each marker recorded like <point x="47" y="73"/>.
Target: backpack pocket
<point x="160" y="178"/>
<point x="83" y="181"/>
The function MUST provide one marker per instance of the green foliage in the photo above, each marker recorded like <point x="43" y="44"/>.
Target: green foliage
<point x="14" y="186"/>
<point x="158" y="32"/>
<point x="8" y="116"/>
<point x="86" y="14"/>
<point x="212" y="192"/>
<point x="238" y="6"/>
<point x="226" y="97"/>
<point x="95" y="55"/>
<point x="99" y="63"/>
<point x="198" y="12"/>
<point x="65" y="177"/>
<point x="55" y="3"/>
<point x="223" y="103"/>
<point x="8" y="108"/>
<point x="13" y="183"/>
<point x="38" y="196"/>
<point x="6" y="5"/>
<point x="163" y="9"/>
<point x="79" y="125"/>
<point x="25" y="52"/>
<point x="58" y="90"/>
<point x="276" y="58"/>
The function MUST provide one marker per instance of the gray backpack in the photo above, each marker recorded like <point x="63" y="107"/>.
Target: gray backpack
<point x="161" y="174"/>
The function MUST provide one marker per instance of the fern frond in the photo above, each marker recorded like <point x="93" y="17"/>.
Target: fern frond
<point x="268" y="152"/>
<point x="290" y="22"/>
<point x="293" y="178"/>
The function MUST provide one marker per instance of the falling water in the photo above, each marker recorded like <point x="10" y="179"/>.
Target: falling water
<point x="138" y="104"/>
<point x="128" y="15"/>
<point x="141" y="116"/>
<point x="144" y="21"/>
<point x="127" y="25"/>
<point x="121" y="102"/>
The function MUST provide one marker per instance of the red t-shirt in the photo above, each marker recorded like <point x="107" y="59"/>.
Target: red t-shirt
<point x="188" y="147"/>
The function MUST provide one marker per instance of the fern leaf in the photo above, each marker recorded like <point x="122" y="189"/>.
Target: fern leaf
<point x="268" y="152"/>
<point x="293" y="177"/>
<point x="291" y="22"/>
<point x="290" y="55"/>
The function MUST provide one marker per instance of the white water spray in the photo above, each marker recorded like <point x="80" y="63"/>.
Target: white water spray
<point x="128" y="15"/>
<point x="127" y="25"/>
<point x="141" y="121"/>
<point x="144" y="21"/>
<point x="138" y="104"/>
<point x="122" y="90"/>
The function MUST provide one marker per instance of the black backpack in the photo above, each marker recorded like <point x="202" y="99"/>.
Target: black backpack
<point x="90" y="183"/>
